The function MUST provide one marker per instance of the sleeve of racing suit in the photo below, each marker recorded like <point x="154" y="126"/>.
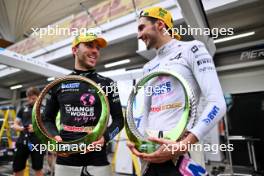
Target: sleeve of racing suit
<point x="50" y="113"/>
<point x="204" y="71"/>
<point x="116" y="113"/>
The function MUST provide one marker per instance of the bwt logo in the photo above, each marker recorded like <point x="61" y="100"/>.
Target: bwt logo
<point x="70" y="85"/>
<point x="211" y="115"/>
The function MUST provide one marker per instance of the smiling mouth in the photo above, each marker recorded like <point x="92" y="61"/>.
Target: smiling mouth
<point x="92" y="57"/>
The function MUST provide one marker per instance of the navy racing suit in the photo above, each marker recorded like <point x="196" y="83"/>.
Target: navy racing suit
<point x="79" y="107"/>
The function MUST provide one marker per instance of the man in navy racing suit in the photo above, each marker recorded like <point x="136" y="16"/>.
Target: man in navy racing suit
<point x="80" y="107"/>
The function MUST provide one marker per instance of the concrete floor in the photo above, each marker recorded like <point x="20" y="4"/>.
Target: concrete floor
<point x="214" y="168"/>
<point x="6" y="170"/>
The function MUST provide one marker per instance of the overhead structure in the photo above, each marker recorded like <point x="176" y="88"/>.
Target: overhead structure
<point x="194" y="15"/>
<point x="5" y="93"/>
<point x="18" y="17"/>
<point x="13" y="59"/>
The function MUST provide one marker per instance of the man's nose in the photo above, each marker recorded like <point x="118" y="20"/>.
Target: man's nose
<point x="95" y="50"/>
<point x="139" y="36"/>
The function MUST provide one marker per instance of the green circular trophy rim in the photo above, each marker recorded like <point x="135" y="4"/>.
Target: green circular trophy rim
<point x="189" y="112"/>
<point x="97" y="131"/>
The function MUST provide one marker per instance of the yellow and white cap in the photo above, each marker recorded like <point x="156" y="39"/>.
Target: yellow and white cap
<point x="89" y="37"/>
<point x="161" y="14"/>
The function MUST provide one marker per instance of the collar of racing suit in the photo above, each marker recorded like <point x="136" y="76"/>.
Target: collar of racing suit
<point x="163" y="50"/>
<point x="82" y="72"/>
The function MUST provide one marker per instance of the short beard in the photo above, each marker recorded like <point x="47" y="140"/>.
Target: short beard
<point x="80" y="59"/>
<point x="152" y="41"/>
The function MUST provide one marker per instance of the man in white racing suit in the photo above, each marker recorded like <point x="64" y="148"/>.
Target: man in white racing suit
<point x="195" y="64"/>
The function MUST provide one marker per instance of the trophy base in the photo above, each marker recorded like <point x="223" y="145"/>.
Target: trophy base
<point x="148" y="147"/>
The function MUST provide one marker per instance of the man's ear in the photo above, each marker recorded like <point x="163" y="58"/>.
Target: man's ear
<point x="74" y="50"/>
<point x="161" y="25"/>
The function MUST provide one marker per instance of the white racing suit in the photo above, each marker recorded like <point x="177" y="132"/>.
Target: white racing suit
<point x="195" y="64"/>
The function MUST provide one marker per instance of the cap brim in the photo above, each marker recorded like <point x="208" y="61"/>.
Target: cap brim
<point x="102" y="43"/>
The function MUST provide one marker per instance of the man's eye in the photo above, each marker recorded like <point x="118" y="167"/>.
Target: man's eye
<point x="140" y="28"/>
<point x="89" y="45"/>
<point x="92" y="45"/>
